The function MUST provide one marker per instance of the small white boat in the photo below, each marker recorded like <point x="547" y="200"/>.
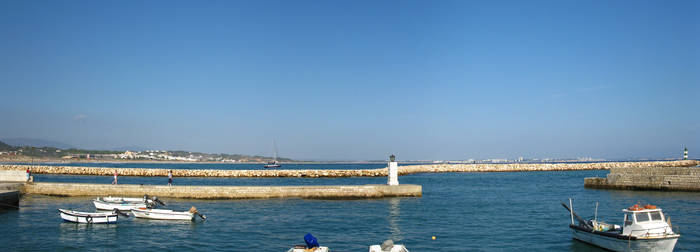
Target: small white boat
<point x="125" y="204"/>
<point x="272" y="164"/>
<point x="163" y="214"/>
<point x="311" y="245"/>
<point x="645" y="229"/>
<point x="86" y="217"/>
<point x="388" y="246"/>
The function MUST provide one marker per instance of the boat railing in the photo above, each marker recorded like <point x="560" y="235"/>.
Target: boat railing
<point x="650" y="235"/>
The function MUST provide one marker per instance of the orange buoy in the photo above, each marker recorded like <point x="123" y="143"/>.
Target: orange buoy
<point x="649" y="206"/>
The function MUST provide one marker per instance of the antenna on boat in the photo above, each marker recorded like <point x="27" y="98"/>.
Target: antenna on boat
<point x="596" y="212"/>
<point x="571" y="211"/>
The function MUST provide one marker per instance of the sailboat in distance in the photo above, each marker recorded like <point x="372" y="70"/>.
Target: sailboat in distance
<point x="273" y="163"/>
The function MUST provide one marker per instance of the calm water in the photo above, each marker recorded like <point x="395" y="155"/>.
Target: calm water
<point x="465" y="211"/>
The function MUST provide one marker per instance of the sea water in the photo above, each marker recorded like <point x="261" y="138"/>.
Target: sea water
<point x="509" y="211"/>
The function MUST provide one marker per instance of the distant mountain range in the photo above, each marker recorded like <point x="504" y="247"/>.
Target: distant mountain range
<point x="36" y="143"/>
<point x="45" y="148"/>
<point x="130" y="148"/>
<point x="21" y="141"/>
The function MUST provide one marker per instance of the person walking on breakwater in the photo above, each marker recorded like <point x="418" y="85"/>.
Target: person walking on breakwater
<point x="115" y="178"/>
<point x="170" y="178"/>
<point x="29" y="174"/>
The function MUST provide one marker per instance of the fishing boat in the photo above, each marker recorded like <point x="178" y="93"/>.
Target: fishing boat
<point x="274" y="163"/>
<point x="164" y="214"/>
<point x="125" y="204"/>
<point x="645" y="228"/>
<point x="388" y="246"/>
<point x="90" y="218"/>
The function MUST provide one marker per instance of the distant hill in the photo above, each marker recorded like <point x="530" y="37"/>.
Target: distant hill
<point x="6" y="147"/>
<point x="52" y="149"/>
<point x="36" y="143"/>
<point x="130" y="148"/>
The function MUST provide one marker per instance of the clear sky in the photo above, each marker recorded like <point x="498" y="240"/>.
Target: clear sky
<point x="356" y="80"/>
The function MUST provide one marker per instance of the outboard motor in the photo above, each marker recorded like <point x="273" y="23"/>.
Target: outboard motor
<point x="311" y="241"/>
<point x="387" y="245"/>
<point x="156" y="200"/>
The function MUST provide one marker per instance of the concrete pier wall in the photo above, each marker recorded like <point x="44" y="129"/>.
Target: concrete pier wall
<point x="13" y="175"/>
<point x="649" y="178"/>
<point x="382" y="172"/>
<point x="226" y="192"/>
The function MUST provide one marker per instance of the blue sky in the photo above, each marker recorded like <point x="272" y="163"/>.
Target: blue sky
<point x="356" y="80"/>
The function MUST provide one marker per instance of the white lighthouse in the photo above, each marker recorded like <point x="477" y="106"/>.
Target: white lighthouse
<point x="685" y="154"/>
<point x="393" y="171"/>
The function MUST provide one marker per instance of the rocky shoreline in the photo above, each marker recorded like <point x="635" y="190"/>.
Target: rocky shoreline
<point x="403" y="170"/>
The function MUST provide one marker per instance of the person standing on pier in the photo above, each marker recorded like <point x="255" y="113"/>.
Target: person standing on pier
<point x="170" y="178"/>
<point x="29" y="174"/>
<point x="115" y="178"/>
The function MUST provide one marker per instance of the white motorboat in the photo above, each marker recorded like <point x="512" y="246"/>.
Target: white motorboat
<point x="89" y="218"/>
<point x="645" y="229"/>
<point x="311" y="245"/>
<point x="164" y="214"/>
<point x="124" y="203"/>
<point x="388" y="246"/>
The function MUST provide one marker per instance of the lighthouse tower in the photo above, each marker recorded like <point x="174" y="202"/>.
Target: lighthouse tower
<point x="393" y="171"/>
<point x="685" y="154"/>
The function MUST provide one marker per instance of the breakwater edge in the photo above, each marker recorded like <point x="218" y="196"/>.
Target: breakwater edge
<point x="650" y="178"/>
<point x="315" y="173"/>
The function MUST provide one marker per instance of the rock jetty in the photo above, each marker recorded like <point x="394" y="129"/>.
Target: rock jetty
<point x="403" y="170"/>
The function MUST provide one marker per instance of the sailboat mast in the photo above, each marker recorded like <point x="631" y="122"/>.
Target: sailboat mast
<point x="274" y="146"/>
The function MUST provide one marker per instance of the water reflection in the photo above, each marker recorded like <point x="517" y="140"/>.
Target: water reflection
<point x="394" y="217"/>
<point x="77" y="233"/>
<point x="173" y="224"/>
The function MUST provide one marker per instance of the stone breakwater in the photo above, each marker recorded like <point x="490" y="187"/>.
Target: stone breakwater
<point x="226" y="192"/>
<point x="382" y="172"/>
<point x="648" y="178"/>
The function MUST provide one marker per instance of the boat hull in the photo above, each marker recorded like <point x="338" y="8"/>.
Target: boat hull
<point x="160" y="214"/>
<point x="395" y="248"/>
<point x="318" y="249"/>
<point x="88" y="218"/>
<point x="620" y="244"/>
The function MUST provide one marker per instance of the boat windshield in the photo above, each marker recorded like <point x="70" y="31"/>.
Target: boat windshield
<point x="641" y="217"/>
<point x="656" y="216"/>
<point x="628" y="220"/>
